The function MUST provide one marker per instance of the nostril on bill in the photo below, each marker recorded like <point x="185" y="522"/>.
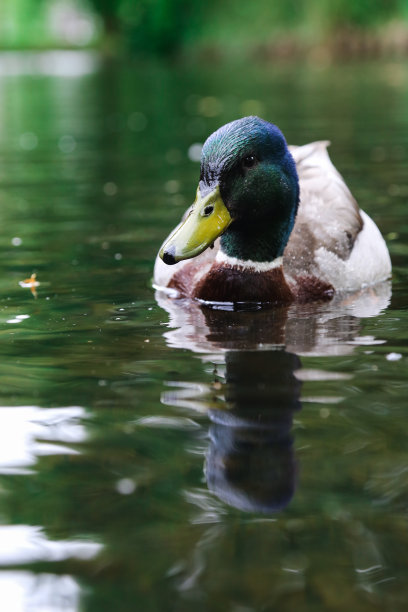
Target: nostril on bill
<point x="169" y="256"/>
<point x="208" y="210"/>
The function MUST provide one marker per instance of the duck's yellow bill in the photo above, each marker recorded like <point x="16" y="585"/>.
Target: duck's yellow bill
<point x="207" y="220"/>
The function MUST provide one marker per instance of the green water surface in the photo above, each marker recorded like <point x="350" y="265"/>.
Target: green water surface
<point x="155" y="457"/>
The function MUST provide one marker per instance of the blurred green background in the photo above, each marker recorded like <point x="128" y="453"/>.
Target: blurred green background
<point x="166" y="27"/>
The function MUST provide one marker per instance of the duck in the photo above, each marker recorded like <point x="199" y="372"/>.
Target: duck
<point x="270" y="223"/>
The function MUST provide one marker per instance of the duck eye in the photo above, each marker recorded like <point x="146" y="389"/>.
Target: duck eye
<point x="249" y="161"/>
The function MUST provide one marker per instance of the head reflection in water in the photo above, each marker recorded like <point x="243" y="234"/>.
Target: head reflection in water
<point x="250" y="461"/>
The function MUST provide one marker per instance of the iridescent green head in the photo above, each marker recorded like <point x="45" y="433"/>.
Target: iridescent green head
<point x="248" y="193"/>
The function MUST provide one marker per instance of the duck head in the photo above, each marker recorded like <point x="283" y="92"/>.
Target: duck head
<point x="248" y="194"/>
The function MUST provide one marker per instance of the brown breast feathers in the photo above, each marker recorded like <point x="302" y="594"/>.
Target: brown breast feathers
<point x="225" y="283"/>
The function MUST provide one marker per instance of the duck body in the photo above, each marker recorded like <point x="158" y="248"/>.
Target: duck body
<point x="282" y="224"/>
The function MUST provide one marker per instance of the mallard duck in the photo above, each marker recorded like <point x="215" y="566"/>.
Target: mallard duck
<point x="281" y="224"/>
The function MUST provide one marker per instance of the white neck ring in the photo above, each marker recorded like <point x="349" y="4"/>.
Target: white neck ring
<point x="248" y="264"/>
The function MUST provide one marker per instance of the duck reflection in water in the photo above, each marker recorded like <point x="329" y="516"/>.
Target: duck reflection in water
<point x="250" y="463"/>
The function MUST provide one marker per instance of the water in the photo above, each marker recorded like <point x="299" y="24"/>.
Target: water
<point x="163" y="457"/>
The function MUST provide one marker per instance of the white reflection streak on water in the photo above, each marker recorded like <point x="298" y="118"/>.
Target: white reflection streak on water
<point x="25" y="433"/>
<point x="370" y="566"/>
<point x="212" y="510"/>
<point x="26" y="544"/>
<point x="25" y="592"/>
<point x="180" y="423"/>
<point x="188" y="396"/>
<point x="23" y="428"/>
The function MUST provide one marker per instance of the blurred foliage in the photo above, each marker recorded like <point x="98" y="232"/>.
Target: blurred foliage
<point x="152" y="26"/>
<point x="360" y="13"/>
<point x="164" y="26"/>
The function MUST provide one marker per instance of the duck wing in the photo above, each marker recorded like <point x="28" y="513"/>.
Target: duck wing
<point x="328" y="215"/>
